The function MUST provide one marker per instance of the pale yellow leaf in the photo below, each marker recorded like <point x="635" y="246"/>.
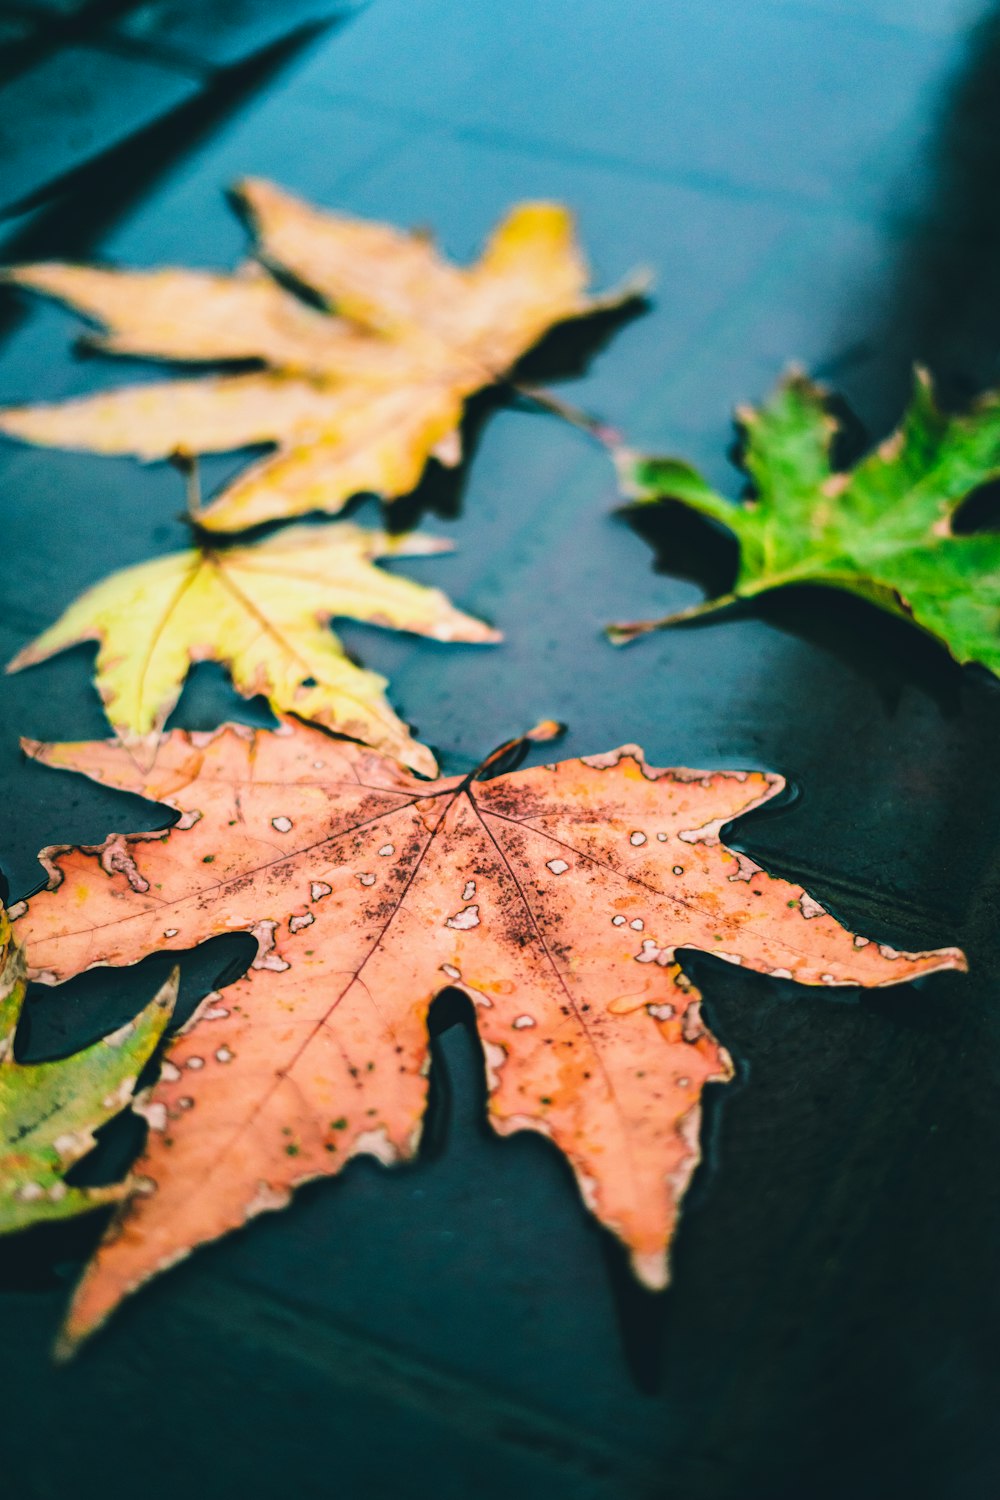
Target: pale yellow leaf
<point x="264" y="612"/>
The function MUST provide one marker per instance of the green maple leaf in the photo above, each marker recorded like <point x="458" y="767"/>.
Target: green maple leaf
<point x="49" y="1111"/>
<point x="882" y="530"/>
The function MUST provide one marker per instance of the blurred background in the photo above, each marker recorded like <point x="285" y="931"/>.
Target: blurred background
<point x="809" y="180"/>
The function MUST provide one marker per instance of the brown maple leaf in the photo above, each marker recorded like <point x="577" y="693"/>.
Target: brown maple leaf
<point x="355" y="402"/>
<point x="557" y="898"/>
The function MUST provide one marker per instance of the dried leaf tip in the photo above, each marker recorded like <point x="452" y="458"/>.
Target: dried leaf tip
<point x="548" y="729"/>
<point x="509" y="755"/>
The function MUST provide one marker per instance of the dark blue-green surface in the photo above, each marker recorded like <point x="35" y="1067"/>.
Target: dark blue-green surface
<point x="810" y="179"/>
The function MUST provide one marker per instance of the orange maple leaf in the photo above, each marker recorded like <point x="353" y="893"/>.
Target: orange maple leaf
<point x="556" y="898"/>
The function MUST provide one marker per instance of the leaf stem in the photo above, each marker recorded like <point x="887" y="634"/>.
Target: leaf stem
<point x="622" y="633"/>
<point x="508" y="756"/>
<point x="186" y="465"/>
<point x="607" y="436"/>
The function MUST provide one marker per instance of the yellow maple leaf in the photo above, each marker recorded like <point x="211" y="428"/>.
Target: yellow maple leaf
<point x="355" y="402"/>
<point x="263" y="611"/>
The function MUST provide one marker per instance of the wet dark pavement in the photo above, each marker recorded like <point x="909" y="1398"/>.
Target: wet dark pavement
<point x="811" y="180"/>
